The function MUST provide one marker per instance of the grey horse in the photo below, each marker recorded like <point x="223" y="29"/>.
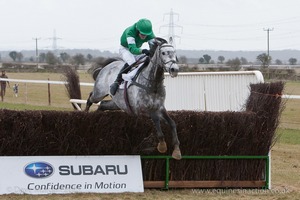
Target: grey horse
<point x="145" y="94"/>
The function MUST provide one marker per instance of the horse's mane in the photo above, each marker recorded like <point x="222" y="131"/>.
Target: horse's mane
<point x="99" y="64"/>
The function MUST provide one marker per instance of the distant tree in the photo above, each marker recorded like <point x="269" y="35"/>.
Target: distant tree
<point x="207" y="58"/>
<point x="89" y="57"/>
<point x="51" y="58"/>
<point x="264" y="59"/>
<point x="221" y="59"/>
<point x="201" y="60"/>
<point x="292" y="61"/>
<point x="13" y="55"/>
<point x="42" y="57"/>
<point x="19" y="56"/>
<point x="244" y="61"/>
<point x="234" y="63"/>
<point x="78" y="59"/>
<point x="278" y="62"/>
<point x="31" y="59"/>
<point x="64" y="57"/>
<point x="182" y="60"/>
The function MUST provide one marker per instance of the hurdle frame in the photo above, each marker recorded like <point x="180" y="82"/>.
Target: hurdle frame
<point x="167" y="183"/>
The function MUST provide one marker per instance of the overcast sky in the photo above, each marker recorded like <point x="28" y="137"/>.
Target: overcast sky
<point x="199" y="24"/>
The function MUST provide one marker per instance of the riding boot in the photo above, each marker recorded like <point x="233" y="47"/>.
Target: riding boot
<point x="114" y="87"/>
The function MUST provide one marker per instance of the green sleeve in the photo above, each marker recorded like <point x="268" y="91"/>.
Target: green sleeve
<point x="134" y="49"/>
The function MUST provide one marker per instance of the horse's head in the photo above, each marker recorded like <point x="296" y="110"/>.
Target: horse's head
<point x="167" y="56"/>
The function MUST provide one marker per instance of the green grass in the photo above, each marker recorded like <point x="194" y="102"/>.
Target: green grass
<point x="289" y="136"/>
<point x="292" y="88"/>
<point x="10" y="106"/>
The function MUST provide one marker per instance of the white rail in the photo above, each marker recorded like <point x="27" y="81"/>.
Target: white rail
<point x="75" y="102"/>
<point x="195" y="91"/>
<point x="42" y="81"/>
<point x="287" y="96"/>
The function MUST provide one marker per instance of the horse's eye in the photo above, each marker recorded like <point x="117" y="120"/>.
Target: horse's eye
<point x="163" y="53"/>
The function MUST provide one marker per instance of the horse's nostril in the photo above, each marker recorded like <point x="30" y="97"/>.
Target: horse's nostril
<point x="173" y="70"/>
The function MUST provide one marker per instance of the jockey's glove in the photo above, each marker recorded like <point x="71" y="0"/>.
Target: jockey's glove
<point x="146" y="51"/>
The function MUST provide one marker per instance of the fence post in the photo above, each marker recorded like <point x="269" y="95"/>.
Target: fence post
<point x="49" y="93"/>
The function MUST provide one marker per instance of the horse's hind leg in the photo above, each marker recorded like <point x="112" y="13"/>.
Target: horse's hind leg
<point x="88" y="103"/>
<point x="94" y="99"/>
<point x="176" y="152"/>
<point x="162" y="146"/>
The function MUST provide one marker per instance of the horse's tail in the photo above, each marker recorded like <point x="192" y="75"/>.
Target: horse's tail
<point x="99" y="65"/>
<point x="72" y="83"/>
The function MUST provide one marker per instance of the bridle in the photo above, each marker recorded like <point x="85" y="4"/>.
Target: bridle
<point x="172" y="61"/>
<point x="162" y="63"/>
<point x="156" y="65"/>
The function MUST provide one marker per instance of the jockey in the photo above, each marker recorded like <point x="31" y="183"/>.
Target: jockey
<point x="131" y="41"/>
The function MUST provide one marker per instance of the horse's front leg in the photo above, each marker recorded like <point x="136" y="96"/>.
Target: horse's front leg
<point x="176" y="152"/>
<point x="162" y="146"/>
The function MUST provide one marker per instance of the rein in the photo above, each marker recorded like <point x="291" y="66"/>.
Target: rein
<point x="147" y="89"/>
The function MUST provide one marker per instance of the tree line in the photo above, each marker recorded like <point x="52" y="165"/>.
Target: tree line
<point x="52" y="59"/>
<point x="79" y="59"/>
<point x="263" y="59"/>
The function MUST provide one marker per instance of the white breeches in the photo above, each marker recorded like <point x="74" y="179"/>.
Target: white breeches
<point x="127" y="56"/>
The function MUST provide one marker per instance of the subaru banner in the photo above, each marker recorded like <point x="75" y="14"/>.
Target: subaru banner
<point x="70" y="174"/>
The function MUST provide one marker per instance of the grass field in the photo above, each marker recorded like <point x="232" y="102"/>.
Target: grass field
<point x="285" y="153"/>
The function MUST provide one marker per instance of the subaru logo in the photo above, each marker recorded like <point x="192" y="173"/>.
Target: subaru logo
<point x="39" y="170"/>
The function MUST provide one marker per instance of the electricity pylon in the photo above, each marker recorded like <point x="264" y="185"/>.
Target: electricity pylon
<point x="171" y="26"/>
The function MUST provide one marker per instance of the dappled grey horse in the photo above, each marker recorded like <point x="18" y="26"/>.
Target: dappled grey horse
<point x="146" y="94"/>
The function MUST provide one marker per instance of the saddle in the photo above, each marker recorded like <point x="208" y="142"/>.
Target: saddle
<point x="136" y="69"/>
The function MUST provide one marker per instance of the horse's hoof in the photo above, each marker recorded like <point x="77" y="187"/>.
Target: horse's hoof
<point x="176" y="154"/>
<point x="162" y="147"/>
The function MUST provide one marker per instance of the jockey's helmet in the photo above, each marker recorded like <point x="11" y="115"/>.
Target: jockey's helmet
<point x="144" y="26"/>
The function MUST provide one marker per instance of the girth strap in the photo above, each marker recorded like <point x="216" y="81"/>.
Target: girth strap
<point x="129" y="109"/>
<point x="148" y="89"/>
